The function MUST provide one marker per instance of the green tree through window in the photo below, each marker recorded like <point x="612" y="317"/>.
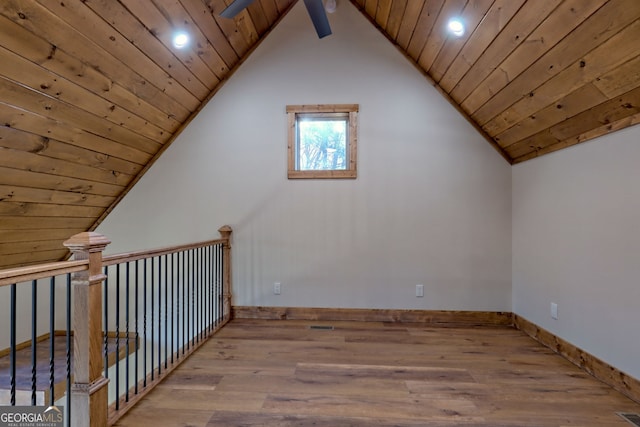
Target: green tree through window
<point x="322" y="144"/>
<point x="322" y="141"/>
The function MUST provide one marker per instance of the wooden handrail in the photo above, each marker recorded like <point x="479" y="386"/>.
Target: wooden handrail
<point x="43" y="271"/>
<point x="89" y="390"/>
<point x="133" y="256"/>
<point x="40" y="271"/>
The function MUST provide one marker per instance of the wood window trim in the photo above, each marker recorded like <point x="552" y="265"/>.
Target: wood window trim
<point x="351" y="171"/>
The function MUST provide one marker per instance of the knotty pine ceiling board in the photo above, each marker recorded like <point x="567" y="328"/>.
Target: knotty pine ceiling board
<point x="92" y="92"/>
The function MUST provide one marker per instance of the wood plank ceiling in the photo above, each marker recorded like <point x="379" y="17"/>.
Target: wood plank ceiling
<point x="92" y="91"/>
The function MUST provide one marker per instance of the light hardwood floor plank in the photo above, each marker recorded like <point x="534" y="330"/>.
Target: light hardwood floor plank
<point x="283" y="373"/>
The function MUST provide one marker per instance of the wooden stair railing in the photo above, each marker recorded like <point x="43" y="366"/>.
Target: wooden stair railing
<point x="86" y="272"/>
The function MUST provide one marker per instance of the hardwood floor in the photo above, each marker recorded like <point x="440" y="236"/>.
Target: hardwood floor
<point x="283" y="373"/>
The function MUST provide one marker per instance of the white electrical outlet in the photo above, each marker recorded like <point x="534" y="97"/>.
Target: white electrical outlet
<point x="554" y="310"/>
<point x="276" y="288"/>
<point x="419" y="290"/>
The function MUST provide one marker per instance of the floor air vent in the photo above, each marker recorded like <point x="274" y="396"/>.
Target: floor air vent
<point x="327" y="328"/>
<point x="634" y="419"/>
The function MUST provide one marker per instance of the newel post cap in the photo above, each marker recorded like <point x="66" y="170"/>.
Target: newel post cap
<point x="225" y="231"/>
<point x="88" y="241"/>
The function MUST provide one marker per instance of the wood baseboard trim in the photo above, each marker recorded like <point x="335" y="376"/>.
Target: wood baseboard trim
<point x="606" y="373"/>
<point x="434" y="317"/>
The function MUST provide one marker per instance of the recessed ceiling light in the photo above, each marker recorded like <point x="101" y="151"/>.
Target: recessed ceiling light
<point x="180" y="40"/>
<point x="456" y="27"/>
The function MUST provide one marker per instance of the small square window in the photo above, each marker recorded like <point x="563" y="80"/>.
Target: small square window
<point x="322" y="141"/>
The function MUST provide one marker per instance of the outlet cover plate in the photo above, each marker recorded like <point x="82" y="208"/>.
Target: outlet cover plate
<point x="419" y="290"/>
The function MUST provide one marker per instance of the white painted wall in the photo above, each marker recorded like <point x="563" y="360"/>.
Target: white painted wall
<point x="24" y="310"/>
<point x="431" y="204"/>
<point x="576" y="242"/>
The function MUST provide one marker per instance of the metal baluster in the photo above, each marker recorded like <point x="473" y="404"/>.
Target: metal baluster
<point x="192" y="284"/>
<point x="200" y="308"/>
<point x="13" y="344"/>
<point x="214" y="300"/>
<point x="137" y="324"/>
<point x="187" y="299"/>
<point x="217" y="302"/>
<point x="205" y="292"/>
<point x="217" y="275"/>
<point x="221" y="285"/>
<point x="209" y="289"/>
<point x="199" y="300"/>
<point x="198" y="296"/>
<point x="144" y="322"/>
<point x="166" y="308"/>
<point x="185" y="303"/>
<point x="126" y="363"/>
<point x="217" y="267"/>
<point x="196" y="284"/>
<point x="215" y="286"/>
<point x="209" y="282"/>
<point x="159" y="316"/>
<point x="153" y="269"/>
<point x="203" y="306"/>
<point x="34" y="339"/>
<point x="173" y="314"/>
<point x="68" y="345"/>
<point x="202" y="293"/>
<point x="52" y="336"/>
<point x="205" y="289"/>
<point x="177" y="303"/>
<point x="185" y="306"/>
<point x="106" y="321"/>
<point x="179" y="287"/>
<point x="117" y="354"/>
<point x="193" y="297"/>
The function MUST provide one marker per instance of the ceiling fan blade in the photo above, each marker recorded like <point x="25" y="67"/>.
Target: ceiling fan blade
<point x="318" y="17"/>
<point x="235" y="8"/>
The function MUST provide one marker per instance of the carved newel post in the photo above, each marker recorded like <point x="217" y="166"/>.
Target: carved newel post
<point x="225" y="232"/>
<point x="89" y="393"/>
